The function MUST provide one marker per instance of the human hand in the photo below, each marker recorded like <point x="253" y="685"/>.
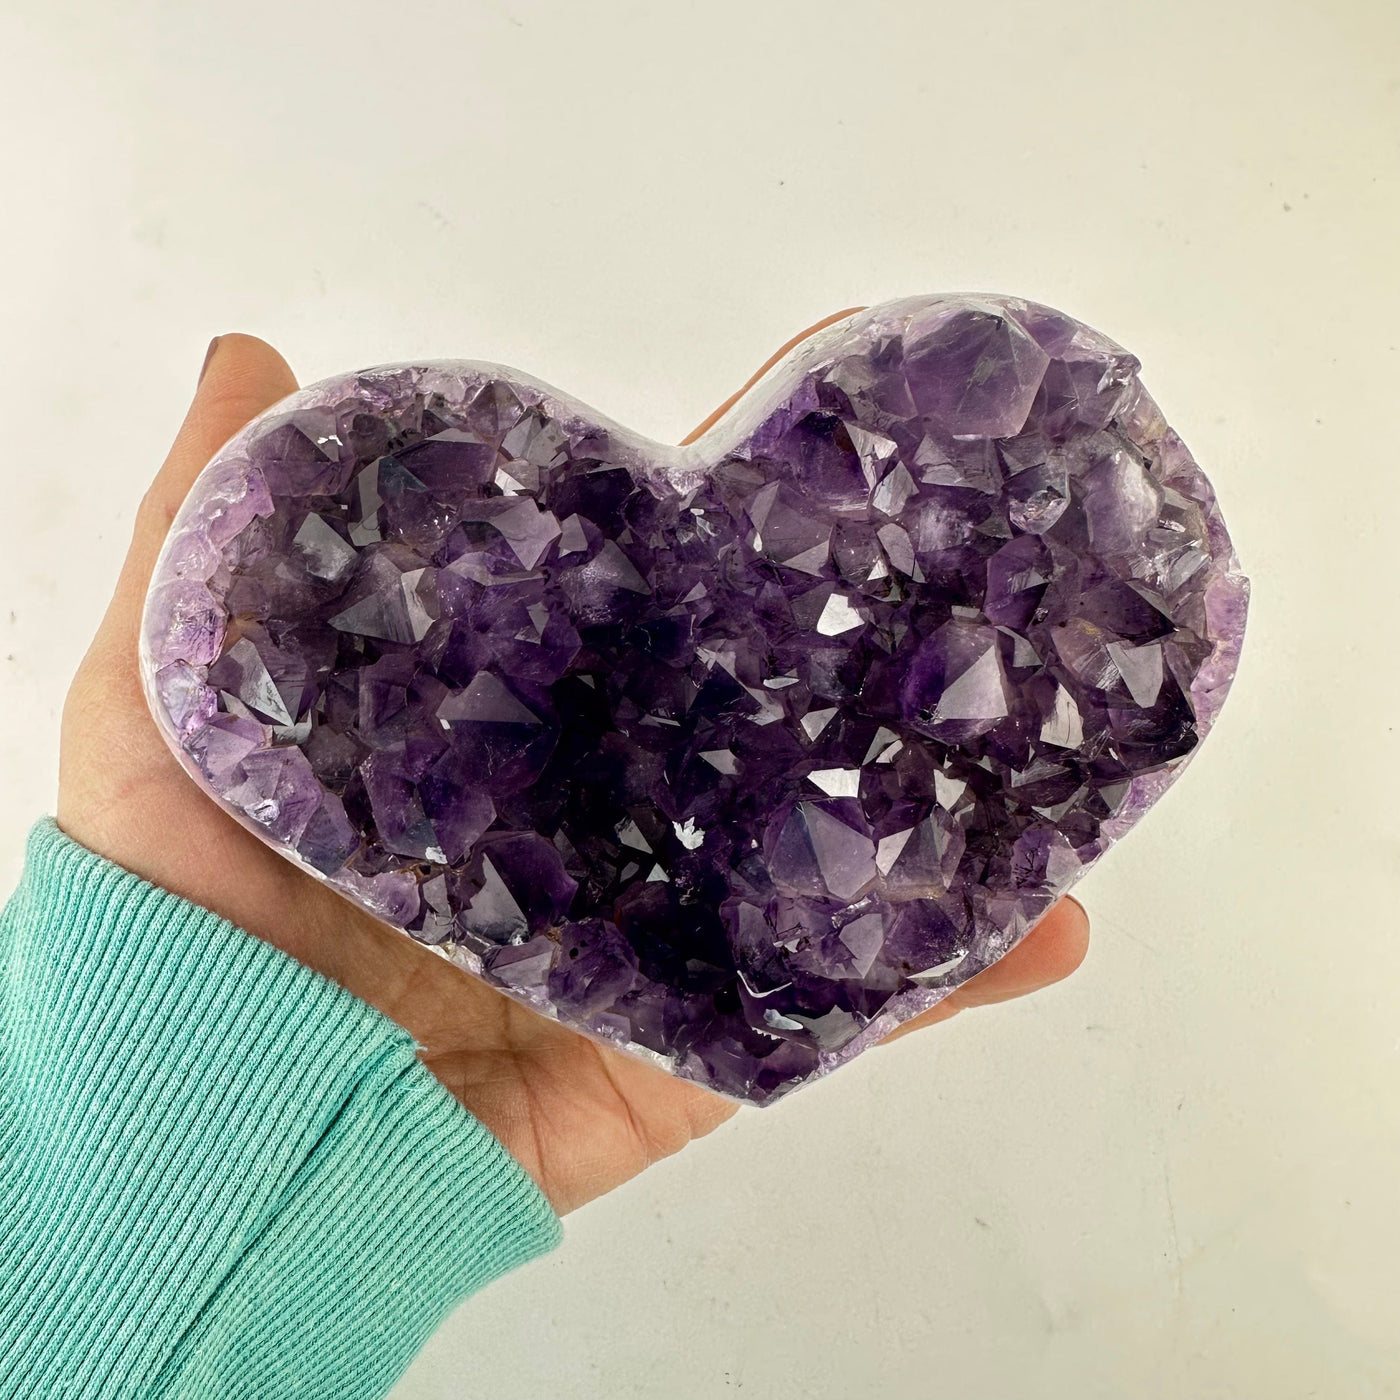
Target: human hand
<point x="580" y="1118"/>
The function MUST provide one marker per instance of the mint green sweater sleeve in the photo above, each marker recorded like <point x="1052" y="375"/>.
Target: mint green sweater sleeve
<point x="221" y="1175"/>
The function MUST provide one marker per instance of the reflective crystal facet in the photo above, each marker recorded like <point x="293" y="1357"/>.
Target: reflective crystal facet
<point x="734" y="755"/>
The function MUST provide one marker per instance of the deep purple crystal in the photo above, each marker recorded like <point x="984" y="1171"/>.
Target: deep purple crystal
<point x="735" y="755"/>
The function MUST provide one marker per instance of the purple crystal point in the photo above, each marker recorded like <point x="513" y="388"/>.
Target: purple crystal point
<point x="734" y="755"/>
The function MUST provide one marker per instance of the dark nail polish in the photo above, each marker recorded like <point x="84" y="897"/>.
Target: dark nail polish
<point x="208" y="355"/>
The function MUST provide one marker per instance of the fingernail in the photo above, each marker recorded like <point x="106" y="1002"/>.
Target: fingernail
<point x="208" y="355"/>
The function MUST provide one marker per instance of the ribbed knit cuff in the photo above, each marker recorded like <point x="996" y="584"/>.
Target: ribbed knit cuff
<point x="220" y="1173"/>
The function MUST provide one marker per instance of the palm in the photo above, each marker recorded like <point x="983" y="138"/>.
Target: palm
<point x="579" y="1117"/>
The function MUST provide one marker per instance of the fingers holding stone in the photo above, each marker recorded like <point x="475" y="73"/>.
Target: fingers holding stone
<point x="242" y="376"/>
<point x="1053" y="949"/>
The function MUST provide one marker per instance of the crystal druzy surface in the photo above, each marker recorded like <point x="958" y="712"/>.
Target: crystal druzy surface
<point x="737" y="754"/>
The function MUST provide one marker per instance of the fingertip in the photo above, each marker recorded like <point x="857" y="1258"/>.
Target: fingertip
<point x="1053" y="949"/>
<point x="1065" y="952"/>
<point x="208" y="355"/>
<point x="242" y="375"/>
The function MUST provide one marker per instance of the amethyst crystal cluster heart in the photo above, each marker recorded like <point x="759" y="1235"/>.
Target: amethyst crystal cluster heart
<point x="735" y="755"/>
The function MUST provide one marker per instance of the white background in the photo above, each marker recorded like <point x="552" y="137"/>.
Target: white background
<point x="1177" y="1175"/>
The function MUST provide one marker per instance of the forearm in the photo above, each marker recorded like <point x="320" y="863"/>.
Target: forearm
<point x="219" y="1173"/>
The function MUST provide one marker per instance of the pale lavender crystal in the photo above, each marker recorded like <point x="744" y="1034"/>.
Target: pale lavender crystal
<point x="734" y="755"/>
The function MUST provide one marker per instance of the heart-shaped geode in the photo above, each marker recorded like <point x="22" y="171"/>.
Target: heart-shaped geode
<point x="737" y="754"/>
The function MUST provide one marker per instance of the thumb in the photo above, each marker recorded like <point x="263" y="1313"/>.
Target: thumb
<point x="242" y="376"/>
